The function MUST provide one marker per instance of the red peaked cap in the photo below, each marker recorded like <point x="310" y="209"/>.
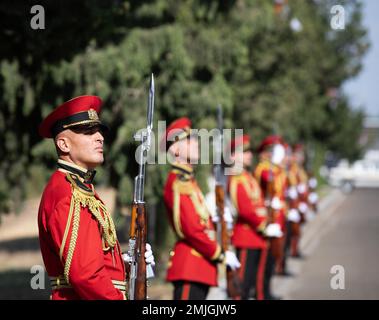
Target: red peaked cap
<point x="78" y="111"/>
<point x="298" y="147"/>
<point x="177" y="130"/>
<point x="269" y="141"/>
<point x="243" y="140"/>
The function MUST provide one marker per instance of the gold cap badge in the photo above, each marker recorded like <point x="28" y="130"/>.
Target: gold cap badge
<point x="92" y="114"/>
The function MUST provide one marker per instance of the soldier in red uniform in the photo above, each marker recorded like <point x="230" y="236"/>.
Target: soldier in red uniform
<point x="293" y="215"/>
<point x="272" y="178"/>
<point x="251" y="228"/>
<point x="193" y="262"/>
<point x="77" y="235"/>
<point x="302" y="188"/>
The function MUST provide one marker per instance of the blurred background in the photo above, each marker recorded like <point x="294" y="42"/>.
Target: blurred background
<point x="306" y="70"/>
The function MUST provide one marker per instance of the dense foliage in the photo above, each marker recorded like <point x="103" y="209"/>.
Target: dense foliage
<point x="242" y="54"/>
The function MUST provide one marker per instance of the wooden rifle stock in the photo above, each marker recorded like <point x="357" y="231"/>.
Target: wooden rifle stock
<point x="138" y="227"/>
<point x="232" y="278"/>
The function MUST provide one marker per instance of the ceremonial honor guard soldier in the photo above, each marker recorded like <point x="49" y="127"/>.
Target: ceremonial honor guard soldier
<point x="272" y="178"/>
<point x="251" y="228"/>
<point x="77" y="235"/>
<point x="193" y="262"/>
<point x="302" y="187"/>
<point x="293" y="215"/>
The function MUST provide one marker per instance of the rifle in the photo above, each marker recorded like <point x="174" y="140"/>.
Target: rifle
<point x="138" y="226"/>
<point x="232" y="279"/>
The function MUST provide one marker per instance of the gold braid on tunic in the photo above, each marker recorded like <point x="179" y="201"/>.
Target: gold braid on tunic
<point x="81" y="199"/>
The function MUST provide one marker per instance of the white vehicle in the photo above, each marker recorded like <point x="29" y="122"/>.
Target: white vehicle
<point x="361" y="174"/>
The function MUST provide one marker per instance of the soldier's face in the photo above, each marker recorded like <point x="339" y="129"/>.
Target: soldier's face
<point x="247" y="159"/>
<point x="192" y="149"/>
<point x="238" y="159"/>
<point x="299" y="156"/>
<point x="84" y="146"/>
<point x="186" y="150"/>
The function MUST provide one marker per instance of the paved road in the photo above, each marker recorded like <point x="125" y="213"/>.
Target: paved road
<point x="350" y="238"/>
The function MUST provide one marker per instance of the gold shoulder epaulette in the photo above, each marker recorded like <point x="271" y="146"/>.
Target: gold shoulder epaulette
<point x="238" y="178"/>
<point x="263" y="165"/>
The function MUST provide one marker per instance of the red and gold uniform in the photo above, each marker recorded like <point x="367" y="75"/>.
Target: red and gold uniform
<point x="193" y="261"/>
<point x="273" y="181"/>
<point x="77" y="236"/>
<point x="302" y="181"/>
<point x="196" y="250"/>
<point x="266" y="173"/>
<point x="299" y="180"/>
<point x="247" y="197"/>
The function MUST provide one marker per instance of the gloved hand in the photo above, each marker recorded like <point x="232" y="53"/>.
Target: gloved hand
<point x="227" y="216"/>
<point x="301" y="188"/>
<point x="149" y="257"/>
<point x="292" y="193"/>
<point x="313" y="197"/>
<point x="278" y="154"/>
<point x="231" y="260"/>
<point x="276" y="204"/>
<point x="293" y="216"/>
<point x="312" y="183"/>
<point x="273" y="231"/>
<point x="303" y="207"/>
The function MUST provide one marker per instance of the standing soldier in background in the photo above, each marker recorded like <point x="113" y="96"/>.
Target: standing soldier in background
<point x="77" y="235"/>
<point x="313" y="196"/>
<point x="293" y="217"/>
<point x="312" y="180"/>
<point x="193" y="262"/>
<point x="272" y="178"/>
<point x="252" y="227"/>
<point x="301" y="177"/>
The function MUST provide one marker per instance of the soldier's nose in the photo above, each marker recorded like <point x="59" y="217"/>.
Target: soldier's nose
<point x="99" y="137"/>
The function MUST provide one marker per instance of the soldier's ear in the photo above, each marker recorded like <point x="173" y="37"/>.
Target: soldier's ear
<point x="62" y="144"/>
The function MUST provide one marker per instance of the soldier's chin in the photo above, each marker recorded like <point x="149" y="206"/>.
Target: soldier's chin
<point x="95" y="162"/>
<point x="193" y="160"/>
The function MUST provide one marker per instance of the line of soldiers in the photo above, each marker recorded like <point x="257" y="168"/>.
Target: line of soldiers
<point x="270" y="204"/>
<point x="77" y="235"/>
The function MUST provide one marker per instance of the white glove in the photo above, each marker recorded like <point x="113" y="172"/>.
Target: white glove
<point x="302" y="188"/>
<point x="313" y="197"/>
<point x="312" y="183"/>
<point x="231" y="260"/>
<point x="149" y="257"/>
<point x="228" y="218"/>
<point x="303" y="207"/>
<point x="273" y="231"/>
<point x="293" y="216"/>
<point x="276" y="204"/>
<point x="215" y="218"/>
<point x="278" y="154"/>
<point x="292" y="193"/>
<point x="228" y="215"/>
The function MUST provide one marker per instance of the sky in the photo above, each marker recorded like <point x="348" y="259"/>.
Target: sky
<point x="363" y="90"/>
